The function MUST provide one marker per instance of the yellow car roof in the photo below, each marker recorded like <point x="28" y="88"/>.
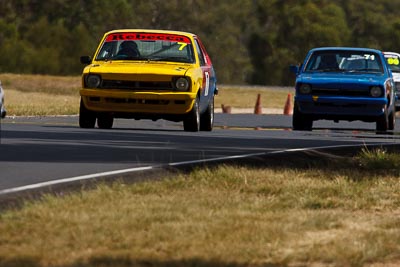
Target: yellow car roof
<point x="152" y="31"/>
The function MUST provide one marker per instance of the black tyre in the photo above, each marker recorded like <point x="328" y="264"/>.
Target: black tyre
<point x="300" y="121"/>
<point x="207" y="118"/>
<point x="192" y="121"/>
<point x="87" y="118"/>
<point x="105" y="121"/>
<point x="382" y="123"/>
<point x="392" y="120"/>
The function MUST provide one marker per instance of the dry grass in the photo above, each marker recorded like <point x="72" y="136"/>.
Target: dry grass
<point x="227" y="216"/>
<point x="246" y="97"/>
<point x="40" y="95"/>
<point x="54" y="85"/>
<point x="40" y="104"/>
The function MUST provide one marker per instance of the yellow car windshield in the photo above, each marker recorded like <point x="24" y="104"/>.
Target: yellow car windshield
<point x="146" y="46"/>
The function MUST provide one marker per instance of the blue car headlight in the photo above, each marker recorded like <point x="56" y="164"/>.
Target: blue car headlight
<point x="305" y="89"/>
<point x="376" y="91"/>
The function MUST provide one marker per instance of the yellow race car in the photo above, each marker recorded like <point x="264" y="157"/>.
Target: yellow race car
<point x="148" y="74"/>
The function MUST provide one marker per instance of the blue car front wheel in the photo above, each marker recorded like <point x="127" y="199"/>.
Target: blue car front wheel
<point x="300" y="121"/>
<point x="382" y="123"/>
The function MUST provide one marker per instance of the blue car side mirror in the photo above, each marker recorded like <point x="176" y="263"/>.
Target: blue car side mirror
<point x="294" y="68"/>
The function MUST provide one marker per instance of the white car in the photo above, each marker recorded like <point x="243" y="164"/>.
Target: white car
<point x="393" y="60"/>
<point x="2" y="109"/>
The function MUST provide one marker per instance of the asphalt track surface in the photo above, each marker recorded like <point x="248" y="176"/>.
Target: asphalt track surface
<point x="36" y="152"/>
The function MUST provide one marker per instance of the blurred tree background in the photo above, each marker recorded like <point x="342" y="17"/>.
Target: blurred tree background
<point x="250" y="41"/>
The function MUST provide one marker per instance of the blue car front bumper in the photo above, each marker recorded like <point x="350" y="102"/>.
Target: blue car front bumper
<point x="341" y="108"/>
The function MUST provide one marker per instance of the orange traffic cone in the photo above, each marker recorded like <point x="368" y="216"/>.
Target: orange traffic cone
<point x="288" y="110"/>
<point x="258" y="107"/>
<point x="226" y="109"/>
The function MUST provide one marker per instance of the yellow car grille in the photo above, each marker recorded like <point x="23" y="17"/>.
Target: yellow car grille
<point x="136" y="85"/>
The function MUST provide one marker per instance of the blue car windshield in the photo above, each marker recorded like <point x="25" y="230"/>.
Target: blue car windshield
<point x="344" y="61"/>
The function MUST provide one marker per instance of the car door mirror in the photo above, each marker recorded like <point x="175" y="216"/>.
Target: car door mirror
<point x="86" y="60"/>
<point x="294" y="68"/>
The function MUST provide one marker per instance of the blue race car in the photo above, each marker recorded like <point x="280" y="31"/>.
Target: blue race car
<point x="344" y="83"/>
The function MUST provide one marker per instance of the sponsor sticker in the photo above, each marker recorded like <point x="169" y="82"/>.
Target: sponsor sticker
<point x="207" y="87"/>
<point x="393" y="61"/>
<point x="147" y="37"/>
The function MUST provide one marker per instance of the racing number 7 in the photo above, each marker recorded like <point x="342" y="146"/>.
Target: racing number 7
<point x="207" y="85"/>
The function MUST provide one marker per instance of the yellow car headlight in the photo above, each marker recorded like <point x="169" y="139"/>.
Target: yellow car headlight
<point x="182" y="84"/>
<point x="93" y="81"/>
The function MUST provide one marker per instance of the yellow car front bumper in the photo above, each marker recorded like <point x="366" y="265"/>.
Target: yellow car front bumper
<point x="137" y="102"/>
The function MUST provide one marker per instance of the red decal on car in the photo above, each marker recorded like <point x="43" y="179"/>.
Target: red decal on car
<point x="147" y="37"/>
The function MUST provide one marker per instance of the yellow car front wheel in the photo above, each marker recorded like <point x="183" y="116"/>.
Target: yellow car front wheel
<point x="87" y="118"/>
<point x="192" y="121"/>
<point x="105" y="120"/>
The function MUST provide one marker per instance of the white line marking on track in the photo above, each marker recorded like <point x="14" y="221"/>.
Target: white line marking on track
<point x="146" y="168"/>
<point x="72" y="179"/>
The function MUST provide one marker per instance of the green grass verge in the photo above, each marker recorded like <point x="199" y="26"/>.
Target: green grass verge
<point x="339" y="212"/>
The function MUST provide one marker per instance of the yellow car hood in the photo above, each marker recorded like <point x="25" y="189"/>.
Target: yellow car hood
<point x="140" y="67"/>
